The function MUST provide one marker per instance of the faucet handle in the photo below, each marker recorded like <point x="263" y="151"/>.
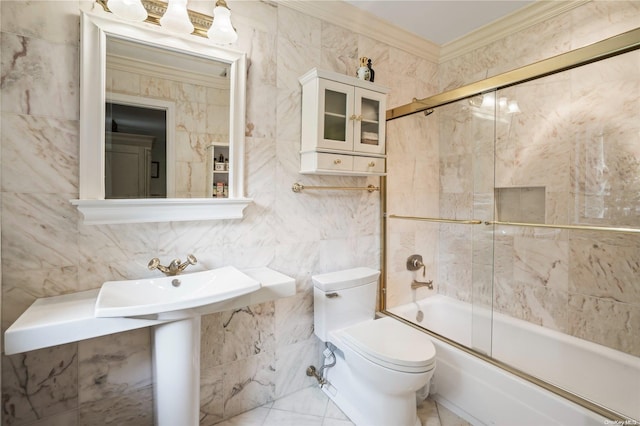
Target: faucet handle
<point x="191" y="260"/>
<point x="414" y="262"/>
<point x="153" y="264"/>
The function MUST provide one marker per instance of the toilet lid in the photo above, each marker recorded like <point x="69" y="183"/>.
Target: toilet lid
<point x="390" y="342"/>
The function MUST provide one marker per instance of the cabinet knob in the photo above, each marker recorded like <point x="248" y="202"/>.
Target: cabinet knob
<point x="372" y="163"/>
<point x="353" y="117"/>
<point x="337" y="161"/>
<point x="359" y="118"/>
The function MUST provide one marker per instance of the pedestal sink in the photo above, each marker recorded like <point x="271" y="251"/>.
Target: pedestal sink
<point x="171" y="308"/>
<point x="180" y="299"/>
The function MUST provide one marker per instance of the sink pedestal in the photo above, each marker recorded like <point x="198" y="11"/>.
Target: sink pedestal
<point x="176" y="372"/>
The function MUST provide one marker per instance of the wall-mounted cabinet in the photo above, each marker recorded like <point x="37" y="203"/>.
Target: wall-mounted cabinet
<point x="343" y="125"/>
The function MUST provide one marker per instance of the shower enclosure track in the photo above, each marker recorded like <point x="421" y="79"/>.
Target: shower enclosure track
<point x="523" y="224"/>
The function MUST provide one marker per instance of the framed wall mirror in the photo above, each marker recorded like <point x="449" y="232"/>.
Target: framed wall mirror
<point x="161" y="125"/>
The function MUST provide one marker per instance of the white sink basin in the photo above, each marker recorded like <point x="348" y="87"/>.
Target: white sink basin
<point x="172" y="297"/>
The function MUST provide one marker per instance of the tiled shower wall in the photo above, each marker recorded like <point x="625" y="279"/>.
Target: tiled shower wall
<point x="249" y="356"/>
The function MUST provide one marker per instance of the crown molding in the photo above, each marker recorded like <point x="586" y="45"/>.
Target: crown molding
<point x="347" y="16"/>
<point x="519" y="20"/>
<point x="350" y="17"/>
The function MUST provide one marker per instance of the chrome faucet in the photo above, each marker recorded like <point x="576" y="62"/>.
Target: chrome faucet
<point x="174" y="268"/>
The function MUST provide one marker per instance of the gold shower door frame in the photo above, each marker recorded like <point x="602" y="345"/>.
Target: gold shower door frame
<point x="613" y="46"/>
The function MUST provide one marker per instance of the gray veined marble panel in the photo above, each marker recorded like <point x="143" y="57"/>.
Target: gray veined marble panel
<point x="54" y="21"/>
<point x="39" y="154"/>
<point x="39" y="384"/>
<point x="212" y="340"/>
<point x="248" y="383"/>
<point x="39" y="78"/>
<point x="135" y="409"/>
<point x="606" y="322"/>
<point x="291" y="365"/>
<point x="114" y="365"/>
<point x="39" y="231"/>
<point x="339" y="49"/>
<point x="211" y="395"/>
<point x="248" y="332"/>
<point x="294" y="318"/>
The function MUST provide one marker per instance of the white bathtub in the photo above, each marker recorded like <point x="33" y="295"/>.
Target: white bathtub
<point x="486" y="394"/>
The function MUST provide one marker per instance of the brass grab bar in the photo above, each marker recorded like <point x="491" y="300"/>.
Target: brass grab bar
<point x="438" y="220"/>
<point x="575" y="227"/>
<point x="298" y="187"/>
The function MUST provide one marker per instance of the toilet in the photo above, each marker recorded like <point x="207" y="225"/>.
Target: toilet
<point x="379" y="363"/>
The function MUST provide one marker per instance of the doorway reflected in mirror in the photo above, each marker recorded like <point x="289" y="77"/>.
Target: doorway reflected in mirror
<point x="135" y="138"/>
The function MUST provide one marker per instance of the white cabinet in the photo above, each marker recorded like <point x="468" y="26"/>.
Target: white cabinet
<point x="343" y="125"/>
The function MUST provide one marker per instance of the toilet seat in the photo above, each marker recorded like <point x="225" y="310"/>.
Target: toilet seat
<point x="391" y="344"/>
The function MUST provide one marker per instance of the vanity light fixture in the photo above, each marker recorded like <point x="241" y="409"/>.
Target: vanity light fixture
<point x="176" y="19"/>
<point x="131" y="10"/>
<point x="221" y="30"/>
<point x="172" y="17"/>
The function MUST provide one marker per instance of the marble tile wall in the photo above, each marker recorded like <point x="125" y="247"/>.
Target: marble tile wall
<point x="250" y="356"/>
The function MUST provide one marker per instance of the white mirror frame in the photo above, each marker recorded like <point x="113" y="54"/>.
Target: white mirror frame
<point x="96" y="27"/>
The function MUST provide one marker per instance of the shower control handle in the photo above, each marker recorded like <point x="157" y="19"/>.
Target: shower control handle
<point x="414" y="263"/>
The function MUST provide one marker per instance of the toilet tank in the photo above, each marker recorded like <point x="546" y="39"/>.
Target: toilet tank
<point x="343" y="298"/>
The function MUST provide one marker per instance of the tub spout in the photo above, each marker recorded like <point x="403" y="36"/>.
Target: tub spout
<point x="417" y="284"/>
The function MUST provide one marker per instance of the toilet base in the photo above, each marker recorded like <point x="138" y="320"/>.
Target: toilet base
<point x="352" y="412"/>
<point x="364" y="404"/>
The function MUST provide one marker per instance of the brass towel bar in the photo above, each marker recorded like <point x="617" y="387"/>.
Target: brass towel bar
<point x="575" y="227"/>
<point x="438" y="220"/>
<point x="298" y="187"/>
<point x="530" y="225"/>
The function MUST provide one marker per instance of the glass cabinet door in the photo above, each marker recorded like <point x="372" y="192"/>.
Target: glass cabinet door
<point x="336" y="121"/>
<point x="369" y="122"/>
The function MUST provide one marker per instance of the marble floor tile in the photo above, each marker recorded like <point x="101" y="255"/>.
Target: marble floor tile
<point x="311" y="407"/>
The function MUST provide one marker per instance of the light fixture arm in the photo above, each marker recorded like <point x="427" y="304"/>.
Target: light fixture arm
<point x="156" y="9"/>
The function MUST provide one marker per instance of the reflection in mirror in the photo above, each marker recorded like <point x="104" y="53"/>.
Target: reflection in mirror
<point x="166" y="111"/>
<point x="135" y="151"/>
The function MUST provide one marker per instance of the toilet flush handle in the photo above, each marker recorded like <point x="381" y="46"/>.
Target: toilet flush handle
<point x="332" y="295"/>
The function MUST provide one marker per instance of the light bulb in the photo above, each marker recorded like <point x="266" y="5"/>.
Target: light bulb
<point x="131" y="10"/>
<point x="176" y="19"/>
<point x="221" y="31"/>
<point x="513" y="107"/>
<point x="488" y="100"/>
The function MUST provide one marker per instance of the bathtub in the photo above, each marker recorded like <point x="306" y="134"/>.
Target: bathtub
<point x="483" y="393"/>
